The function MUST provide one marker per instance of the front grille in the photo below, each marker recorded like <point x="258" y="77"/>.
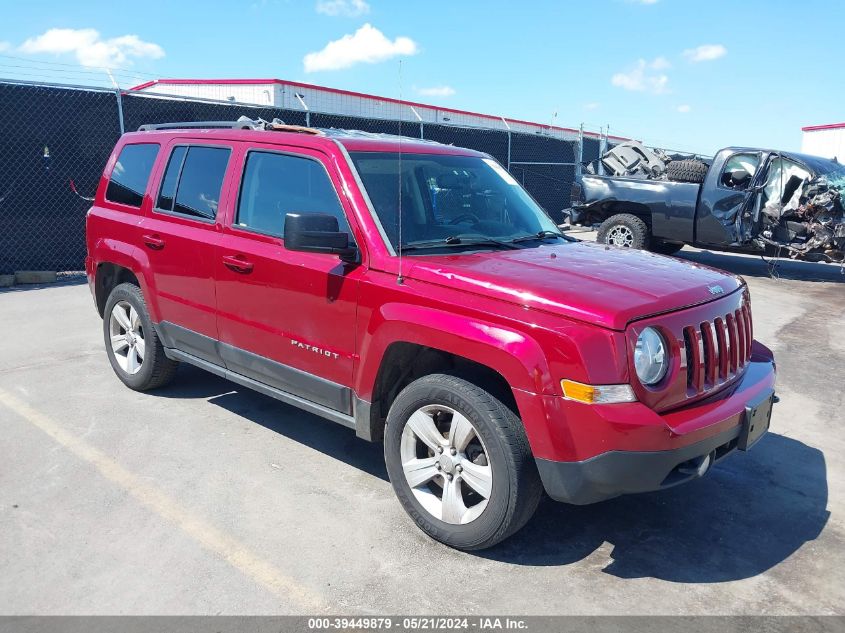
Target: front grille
<point x="717" y="350"/>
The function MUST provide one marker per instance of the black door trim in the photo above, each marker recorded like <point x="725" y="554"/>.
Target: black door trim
<point x="278" y="380"/>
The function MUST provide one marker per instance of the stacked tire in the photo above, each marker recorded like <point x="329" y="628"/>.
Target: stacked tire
<point x="686" y="171"/>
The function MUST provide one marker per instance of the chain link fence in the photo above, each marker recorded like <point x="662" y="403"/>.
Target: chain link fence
<point x="55" y="141"/>
<point x="50" y="137"/>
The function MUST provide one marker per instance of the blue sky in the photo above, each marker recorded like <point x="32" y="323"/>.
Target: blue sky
<point x="683" y="74"/>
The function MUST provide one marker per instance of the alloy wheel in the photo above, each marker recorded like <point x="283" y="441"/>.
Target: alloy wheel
<point x="127" y="337"/>
<point x="620" y="235"/>
<point x="446" y="464"/>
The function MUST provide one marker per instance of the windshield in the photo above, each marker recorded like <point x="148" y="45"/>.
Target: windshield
<point x="447" y="199"/>
<point x="831" y="169"/>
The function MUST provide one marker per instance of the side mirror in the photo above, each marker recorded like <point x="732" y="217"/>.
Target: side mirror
<point x="318" y="233"/>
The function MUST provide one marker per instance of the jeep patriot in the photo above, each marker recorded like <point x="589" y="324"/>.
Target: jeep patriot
<point x="415" y="293"/>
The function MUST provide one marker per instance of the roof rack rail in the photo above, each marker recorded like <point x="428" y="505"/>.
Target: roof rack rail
<point x="243" y="123"/>
<point x="236" y="125"/>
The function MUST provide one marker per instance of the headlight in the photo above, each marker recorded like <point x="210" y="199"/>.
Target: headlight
<point x="650" y="358"/>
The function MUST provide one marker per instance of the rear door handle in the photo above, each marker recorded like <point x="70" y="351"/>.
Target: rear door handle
<point x="154" y="242"/>
<point x="238" y="263"/>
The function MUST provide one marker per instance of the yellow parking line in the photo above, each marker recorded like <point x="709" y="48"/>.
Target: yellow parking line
<point x="228" y="548"/>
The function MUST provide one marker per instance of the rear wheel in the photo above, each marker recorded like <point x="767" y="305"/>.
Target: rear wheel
<point x="132" y="345"/>
<point x="625" y="230"/>
<point x="460" y="463"/>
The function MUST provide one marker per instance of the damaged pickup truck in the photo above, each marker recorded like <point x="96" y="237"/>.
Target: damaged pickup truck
<point x="743" y="200"/>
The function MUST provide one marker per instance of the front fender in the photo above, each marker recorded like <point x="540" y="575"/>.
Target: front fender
<point x="514" y="355"/>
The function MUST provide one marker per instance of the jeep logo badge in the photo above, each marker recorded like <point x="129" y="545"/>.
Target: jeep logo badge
<point x="715" y="290"/>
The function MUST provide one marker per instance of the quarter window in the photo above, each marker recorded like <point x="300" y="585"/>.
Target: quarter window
<point x="277" y="184"/>
<point x="131" y="172"/>
<point x="193" y="180"/>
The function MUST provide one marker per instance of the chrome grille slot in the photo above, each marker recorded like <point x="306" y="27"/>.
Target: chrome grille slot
<point x="742" y="356"/>
<point x="709" y="353"/>
<point x="716" y="351"/>
<point x="722" y="351"/>
<point x="690" y="358"/>
<point x="733" y="345"/>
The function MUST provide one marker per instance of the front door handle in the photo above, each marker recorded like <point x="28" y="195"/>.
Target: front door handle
<point x="238" y="263"/>
<point x="154" y="241"/>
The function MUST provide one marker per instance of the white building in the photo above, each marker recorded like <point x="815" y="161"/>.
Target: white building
<point x="293" y="95"/>
<point x="827" y="141"/>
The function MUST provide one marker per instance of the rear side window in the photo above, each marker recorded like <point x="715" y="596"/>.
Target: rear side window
<point x="171" y="179"/>
<point x="277" y="184"/>
<point x="193" y="180"/>
<point x="131" y="172"/>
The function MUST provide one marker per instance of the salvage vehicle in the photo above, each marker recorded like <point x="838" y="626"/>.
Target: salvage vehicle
<point x="745" y="200"/>
<point x="415" y="293"/>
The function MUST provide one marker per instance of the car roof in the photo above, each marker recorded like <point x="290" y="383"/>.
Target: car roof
<point x="814" y="163"/>
<point x="322" y="138"/>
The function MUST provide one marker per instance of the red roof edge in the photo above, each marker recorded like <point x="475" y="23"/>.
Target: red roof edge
<point x="829" y="126"/>
<point x="351" y="93"/>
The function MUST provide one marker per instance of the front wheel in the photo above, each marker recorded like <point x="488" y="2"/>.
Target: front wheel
<point x="460" y="463"/>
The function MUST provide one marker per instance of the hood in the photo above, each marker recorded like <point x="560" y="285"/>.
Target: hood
<point x="594" y="283"/>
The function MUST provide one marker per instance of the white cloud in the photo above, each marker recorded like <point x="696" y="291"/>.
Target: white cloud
<point x="644" y="77"/>
<point x="367" y="45"/>
<point x="705" y="52"/>
<point x="349" y="8"/>
<point x="592" y="106"/>
<point x="684" y="108"/>
<point x="90" y="49"/>
<point x="437" y="91"/>
<point x="4" y="46"/>
<point x="643" y="1"/>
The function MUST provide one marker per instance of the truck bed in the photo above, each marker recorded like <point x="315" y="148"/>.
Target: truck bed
<point x="671" y="205"/>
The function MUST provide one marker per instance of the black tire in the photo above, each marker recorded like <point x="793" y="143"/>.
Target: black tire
<point x="625" y="226"/>
<point x="665" y="248"/>
<point x="156" y="369"/>
<point x="516" y="488"/>
<point x="686" y="171"/>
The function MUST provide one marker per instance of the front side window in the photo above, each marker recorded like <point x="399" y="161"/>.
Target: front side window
<point x="131" y="172"/>
<point x="277" y="184"/>
<point x="739" y="171"/>
<point x="193" y="180"/>
<point x="447" y="198"/>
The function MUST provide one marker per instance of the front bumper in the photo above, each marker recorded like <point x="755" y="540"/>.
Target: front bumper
<point x="691" y="441"/>
<point x="617" y="473"/>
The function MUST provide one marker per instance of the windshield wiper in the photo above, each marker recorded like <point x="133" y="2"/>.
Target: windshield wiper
<point x="541" y="235"/>
<point x="457" y="240"/>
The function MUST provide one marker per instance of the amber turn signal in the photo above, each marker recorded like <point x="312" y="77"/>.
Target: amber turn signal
<point x="597" y="394"/>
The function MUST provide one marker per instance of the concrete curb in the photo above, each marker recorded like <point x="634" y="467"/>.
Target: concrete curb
<point x="35" y="276"/>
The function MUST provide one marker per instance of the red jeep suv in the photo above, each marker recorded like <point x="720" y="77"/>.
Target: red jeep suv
<point x="415" y="293"/>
